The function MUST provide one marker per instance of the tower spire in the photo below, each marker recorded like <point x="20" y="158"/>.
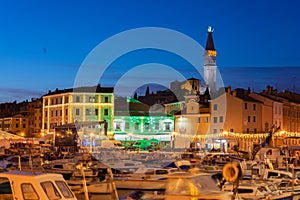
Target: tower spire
<point x="210" y="42"/>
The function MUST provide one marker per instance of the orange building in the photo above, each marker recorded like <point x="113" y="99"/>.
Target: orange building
<point x="16" y="124"/>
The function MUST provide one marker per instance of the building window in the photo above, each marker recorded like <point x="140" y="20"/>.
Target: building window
<point x="136" y="126"/>
<point x="215" y="106"/>
<point x="147" y="126"/>
<point x="266" y="126"/>
<point x="105" y="99"/>
<point x="156" y="126"/>
<point x="126" y="125"/>
<point x="46" y="113"/>
<point x="66" y="112"/>
<point x="118" y="126"/>
<point x="17" y="125"/>
<point x="198" y="120"/>
<point x="24" y="125"/>
<point x="254" y="118"/>
<point x="254" y="106"/>
<point x="231" y="130"/>
<point x="255" y="130"/>
<point x="77" y="99"/>
<point x="51" y="113"/>
<point x="215" y="131"/>
<point x="167" y="126"/>
<point x="248" y="130"/>
<point x="60" y="112"/>
<point x="105" y="111"/>
<point x="55" y="112"/>
<point x="246" y="106"/>
<point x="96" y="111"/>
<point x="249" y="118"/>
<point x="77" y="111"/>
<point x="66" y="99"/>
<point x="87" y="111"/>
<point x="221" y="119"/>
<point x="215" y="120"/>
<point x="205" y="119"/>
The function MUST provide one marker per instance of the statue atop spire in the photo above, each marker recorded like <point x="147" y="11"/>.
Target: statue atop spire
<point x="210" y="29"/>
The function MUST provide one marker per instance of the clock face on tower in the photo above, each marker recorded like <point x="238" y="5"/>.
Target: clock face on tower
<point x="211" y="53"/>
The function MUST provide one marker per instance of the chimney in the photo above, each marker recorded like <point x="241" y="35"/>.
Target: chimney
<point x="268" y="89"/>
<point x="229" y="89"/>
<point x="234" y="93"/>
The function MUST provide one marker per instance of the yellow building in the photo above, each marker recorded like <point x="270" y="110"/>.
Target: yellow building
<point x="82" y="104"/>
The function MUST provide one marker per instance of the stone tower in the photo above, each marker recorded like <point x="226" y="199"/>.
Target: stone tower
<point x="210" y="66"/>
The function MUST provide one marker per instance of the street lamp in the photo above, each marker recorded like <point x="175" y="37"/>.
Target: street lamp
<point x="91" y="141"/>
<point x="172" y="140"/>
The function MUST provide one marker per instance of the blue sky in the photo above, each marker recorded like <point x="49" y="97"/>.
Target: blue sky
<point x="43" y="43"/>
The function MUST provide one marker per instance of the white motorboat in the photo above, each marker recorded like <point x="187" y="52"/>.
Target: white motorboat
<point x="257" y="190"/>
<point x="27" y="185"/>
<point x="94" y="187"/>
<point x="61" y="167"/>
<point x="144" y="179"/>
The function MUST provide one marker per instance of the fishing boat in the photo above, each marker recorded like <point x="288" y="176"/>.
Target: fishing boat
<point x="27" y="185"/>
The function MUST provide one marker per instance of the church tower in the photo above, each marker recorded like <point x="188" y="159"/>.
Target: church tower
<point x="210" y="66"/>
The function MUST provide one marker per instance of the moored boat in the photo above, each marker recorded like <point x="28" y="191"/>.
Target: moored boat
<point x="27" y="185"/>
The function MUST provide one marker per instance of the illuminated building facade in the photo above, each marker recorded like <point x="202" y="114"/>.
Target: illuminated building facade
<point x="83" y="104"/>
<point x="134" y="120"/>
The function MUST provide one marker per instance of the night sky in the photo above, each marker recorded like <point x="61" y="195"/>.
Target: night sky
<point x="43" y="43"/>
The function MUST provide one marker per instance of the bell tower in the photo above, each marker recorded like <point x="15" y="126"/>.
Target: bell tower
<point x="210" y="66"/>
